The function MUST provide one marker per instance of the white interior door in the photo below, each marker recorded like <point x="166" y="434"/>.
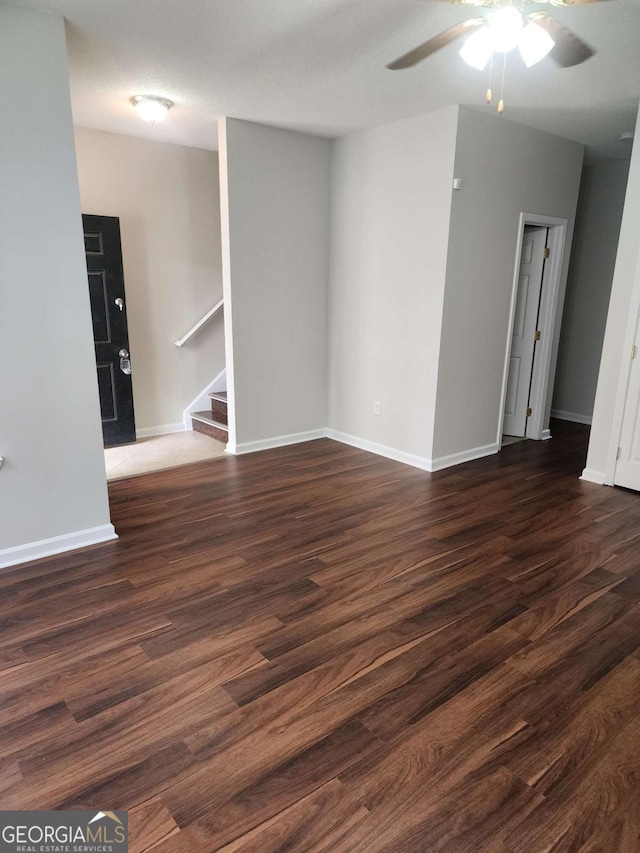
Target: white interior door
<point x="534" y="242"/>
<point x="628" y="464"/>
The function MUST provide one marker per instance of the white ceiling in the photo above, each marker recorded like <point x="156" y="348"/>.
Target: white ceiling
<point x="319" y="66"/>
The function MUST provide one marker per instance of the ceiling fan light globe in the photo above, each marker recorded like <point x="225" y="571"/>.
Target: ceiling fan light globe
<point x="476" y="51"/>
<point x="535" y="43"/>
<point x="505" y="27"/>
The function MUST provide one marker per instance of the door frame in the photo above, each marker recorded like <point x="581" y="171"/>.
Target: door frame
<point x="623" y="379"/>
<point x="548" y="324"/>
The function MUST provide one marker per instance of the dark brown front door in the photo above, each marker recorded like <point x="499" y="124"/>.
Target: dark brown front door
<point x="109" y="314"/>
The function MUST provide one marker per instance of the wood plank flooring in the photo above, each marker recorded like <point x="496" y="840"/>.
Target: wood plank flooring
<point x="317" y="649"/>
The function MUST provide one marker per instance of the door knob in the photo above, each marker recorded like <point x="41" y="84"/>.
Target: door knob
<point x="120" y="303"/>
<point x="125" y="362"/>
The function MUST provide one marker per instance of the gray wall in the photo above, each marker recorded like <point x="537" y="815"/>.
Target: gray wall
<point x="53" y="481"/>
<point x="391" y="197"/>
<point x="275" y="224"/>
<point x="507" y="169"/>
<point x="593" y="259"/>
<point x="602" y="430"/>
<point x="168" y="201"/>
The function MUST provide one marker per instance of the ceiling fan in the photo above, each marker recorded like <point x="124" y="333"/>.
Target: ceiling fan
<point x="507" y="26"/>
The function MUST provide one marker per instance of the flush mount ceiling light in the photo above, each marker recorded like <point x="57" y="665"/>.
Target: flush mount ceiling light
<point x="150" y="108"/>
<point x="505" y="26"/>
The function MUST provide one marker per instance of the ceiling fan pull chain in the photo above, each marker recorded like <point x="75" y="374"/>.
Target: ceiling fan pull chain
<point x="489" y="93"/>
<point x="501" y="101"/>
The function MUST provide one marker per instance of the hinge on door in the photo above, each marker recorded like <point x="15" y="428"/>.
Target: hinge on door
<point x="547" y="252"/>
<point x="634" y="350"/>
<point x="537" y="335"/>
<point x="529" y="412"/>
<point x="618" y="453"/>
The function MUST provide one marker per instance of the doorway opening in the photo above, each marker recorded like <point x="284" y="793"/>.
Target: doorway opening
<point x="533" y="329"/>
<point x="125" y="453"/>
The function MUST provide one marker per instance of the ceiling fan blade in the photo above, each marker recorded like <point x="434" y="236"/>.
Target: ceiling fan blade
<point x="569" y="49"/>
<point x="573" y="2"/>
<point x="442" y="40"/>
<point x="484" y="2"/>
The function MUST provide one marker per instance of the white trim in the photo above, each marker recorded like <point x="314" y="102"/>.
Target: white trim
<point x="623" y="379"/>
<point x="574" y="417"/>
<point x="546" y="435"/>
<point x="552" y="285"/>
<point x="199" y="324"/>
<point x="56" y="545"/>
<point x="380" y="449"/>
<point x="422" y="462"/>
<point x="464" y="456"/>
<point x="217" y="384"/>
<point x="277" y="441"/>
<point x="592" y="476"/>
<point x="227" y="294"/>
<point x="163" y="429"/>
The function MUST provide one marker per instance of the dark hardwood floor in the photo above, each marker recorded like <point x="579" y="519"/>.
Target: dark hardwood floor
<point x="315" y="648"/>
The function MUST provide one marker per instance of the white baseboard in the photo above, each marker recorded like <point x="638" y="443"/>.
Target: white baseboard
<point x="163" y="429"/>
<point x="546" y="435"/>
<point x="463" y="456"/>
<point x="571" y="416"/>
<point x="592" y="476"/>
<point x="380" y="449"/>
<point x="56" y="545"/>
<point x="217" y="384"/>
<point x="277" y="441"/>
<point x="421" y="462"/>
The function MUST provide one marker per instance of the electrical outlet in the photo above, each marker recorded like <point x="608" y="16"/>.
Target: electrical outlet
<point x="377" y="408"/>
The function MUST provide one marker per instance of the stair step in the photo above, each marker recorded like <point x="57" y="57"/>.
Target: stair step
<point x="204" y="423"/>
<point x="219" y="407"/>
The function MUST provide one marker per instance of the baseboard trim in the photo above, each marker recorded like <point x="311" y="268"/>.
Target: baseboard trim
<point x="163" y="429"/>
<point x="415" y="461"/>
<point x="277" y="441"/>
<point x="592" y="476"/>
<point x="546" y="435"/>
<point x="380" y="449"/>
<point x="463" y="456"/>
<point x="571" y="416"/>
<point x="56" y="545"/>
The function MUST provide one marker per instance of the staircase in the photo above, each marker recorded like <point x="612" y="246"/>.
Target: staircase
<point x="213" y="423"/>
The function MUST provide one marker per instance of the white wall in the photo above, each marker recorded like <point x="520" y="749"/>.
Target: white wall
<point x="391" y="198"/>
<point x="53" y="481"/>
<point x="506" y="169"/>
<point x="593" y="257"/>
<point x="168" y="200"/>
<point x="602" y="430"/>
<point x="275" y="225"/>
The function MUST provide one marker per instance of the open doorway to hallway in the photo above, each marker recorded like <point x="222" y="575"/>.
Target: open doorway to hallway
<point x="590" y="274"/>
<point x="155" y="288"/>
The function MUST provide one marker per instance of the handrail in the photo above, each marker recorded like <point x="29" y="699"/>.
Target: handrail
<point x="200" y="323"/>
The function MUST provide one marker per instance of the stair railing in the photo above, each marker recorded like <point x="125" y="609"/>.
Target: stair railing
<point x="200" y="324"/>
